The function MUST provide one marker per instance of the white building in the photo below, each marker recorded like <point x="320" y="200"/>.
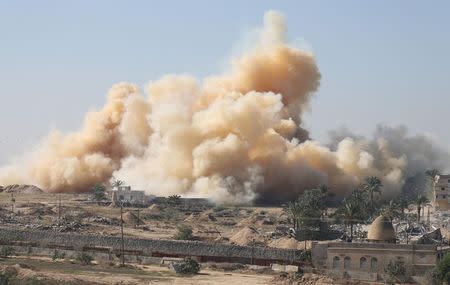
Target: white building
<point x="126" y="195"/>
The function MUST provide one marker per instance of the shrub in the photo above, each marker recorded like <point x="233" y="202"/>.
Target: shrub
<point x="58" y="255"/>
<point x="396" y="271"/>
<point x="184" y="233"/>
<point x="187" y="266"/>
<point x="443" y="269"/>
<point x="219" y="208"/>
<point x="305" y="256"/>
<point x="84" y="258"/>
<point x="4" y="278"/>
<point x="433" y="277"/>
<point x="6" y="251"/>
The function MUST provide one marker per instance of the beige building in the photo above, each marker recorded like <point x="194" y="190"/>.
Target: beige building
<point x="367" y="260"/>
<point x="126" y="195"/>
<point x="442" y="192"/>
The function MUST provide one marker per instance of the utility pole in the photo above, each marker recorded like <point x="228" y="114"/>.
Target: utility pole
<point x="13" y="200"/>
<point x="252" y="250"/>
<point x="138" y="220"/>
<point x="59" y="207"/>
<point x="121" y="232"/>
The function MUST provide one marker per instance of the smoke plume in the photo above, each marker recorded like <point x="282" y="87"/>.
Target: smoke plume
<point x="235" y="137"/>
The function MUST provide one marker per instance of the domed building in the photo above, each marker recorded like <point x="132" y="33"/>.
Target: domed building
<point x="366" y="261"/>
<point x="381" y="231"/>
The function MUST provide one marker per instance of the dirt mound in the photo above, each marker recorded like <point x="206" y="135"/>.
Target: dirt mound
<point x="203" y="217"/>
<point x="286" y="242"/>
<point x="153" y="210"/>
<point x="130" y="218"/>
<point x="246" y="236"/>
<point x="25" y="189"/>
<point x="256" y="219"/>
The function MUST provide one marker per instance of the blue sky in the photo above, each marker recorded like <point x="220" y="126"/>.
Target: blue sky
<point x="381" y="61"/>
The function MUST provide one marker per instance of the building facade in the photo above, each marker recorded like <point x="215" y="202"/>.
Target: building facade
<point x="367" y="261"/>
<point x="442" y="192"/>
<point x="126" y="195"/>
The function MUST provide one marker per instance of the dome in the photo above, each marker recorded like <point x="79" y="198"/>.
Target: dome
<point x="381" y="231"/>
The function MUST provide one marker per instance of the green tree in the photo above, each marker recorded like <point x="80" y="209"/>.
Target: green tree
<point x="420" y="201"/>
<point x="99" y="192"/>
<point x="352" y="210"/>
<point x="311" y="206"/>
<point x="443" y="269"/>
<point x="372" y="185"/>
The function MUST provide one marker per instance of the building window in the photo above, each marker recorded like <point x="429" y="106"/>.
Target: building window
<point x="121" y="197"/>
<point x="347" y="262"/>
<point x="335" y="262"/>
<point x="363" y="263"/>
<point x="443" y="196"/>
<point x="442" y="188"/>
<point x="374" y="264"/>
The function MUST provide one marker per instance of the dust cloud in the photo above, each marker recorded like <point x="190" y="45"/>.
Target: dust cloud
<point x="234" y="138"/>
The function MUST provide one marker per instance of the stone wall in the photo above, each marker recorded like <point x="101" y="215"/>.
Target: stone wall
<point x="147" y="247"/>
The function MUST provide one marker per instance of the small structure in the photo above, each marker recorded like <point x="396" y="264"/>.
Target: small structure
<point x="126" y="195"/>
<point x="366" y="261"/>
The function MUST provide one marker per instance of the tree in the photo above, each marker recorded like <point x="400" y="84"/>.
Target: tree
<point x="308" y="211"/>
<point x="420" y="201"/>
<point x="443" y="269"/>
<point x="430" y="175"/>
<point x="402" y="204"/>
<point x="392" y="210"/>
<point x="184" y="233"/>
<point x="352" y="210"/>
<point x="99" y="192"/>
<point x="117" y="183"/>
<point x="372" y="185"/>
<point x="174" y="200"/>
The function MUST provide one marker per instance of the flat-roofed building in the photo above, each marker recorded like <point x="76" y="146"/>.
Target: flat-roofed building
<point x="126" y="195"/>
<point x="441" y="199"/>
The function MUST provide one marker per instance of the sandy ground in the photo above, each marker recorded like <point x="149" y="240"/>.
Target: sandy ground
<point x="65" y="272"/>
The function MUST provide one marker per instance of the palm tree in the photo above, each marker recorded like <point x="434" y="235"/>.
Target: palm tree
<point x="293" y="210"/>
<point x="431" y="176"/>
<point x="392" y="210"/>
<point x="420" y="201"/>
<point x="117" y="183"/>
<point x="372" y="185"/>
<point x="402" y="205"/>
<point x="350" y="212"/>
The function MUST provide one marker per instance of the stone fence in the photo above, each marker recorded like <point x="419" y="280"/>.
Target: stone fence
<point x="151" y="248"/>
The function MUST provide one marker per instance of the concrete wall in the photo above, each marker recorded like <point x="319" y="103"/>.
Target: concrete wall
<point x="146" y="247"/>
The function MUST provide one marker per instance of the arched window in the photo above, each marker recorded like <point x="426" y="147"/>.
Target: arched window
<point x="335" y="262"/>
<point x="363" y="263"/>
<point x="374" y="264"/>
<point x="347" y="262"/>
